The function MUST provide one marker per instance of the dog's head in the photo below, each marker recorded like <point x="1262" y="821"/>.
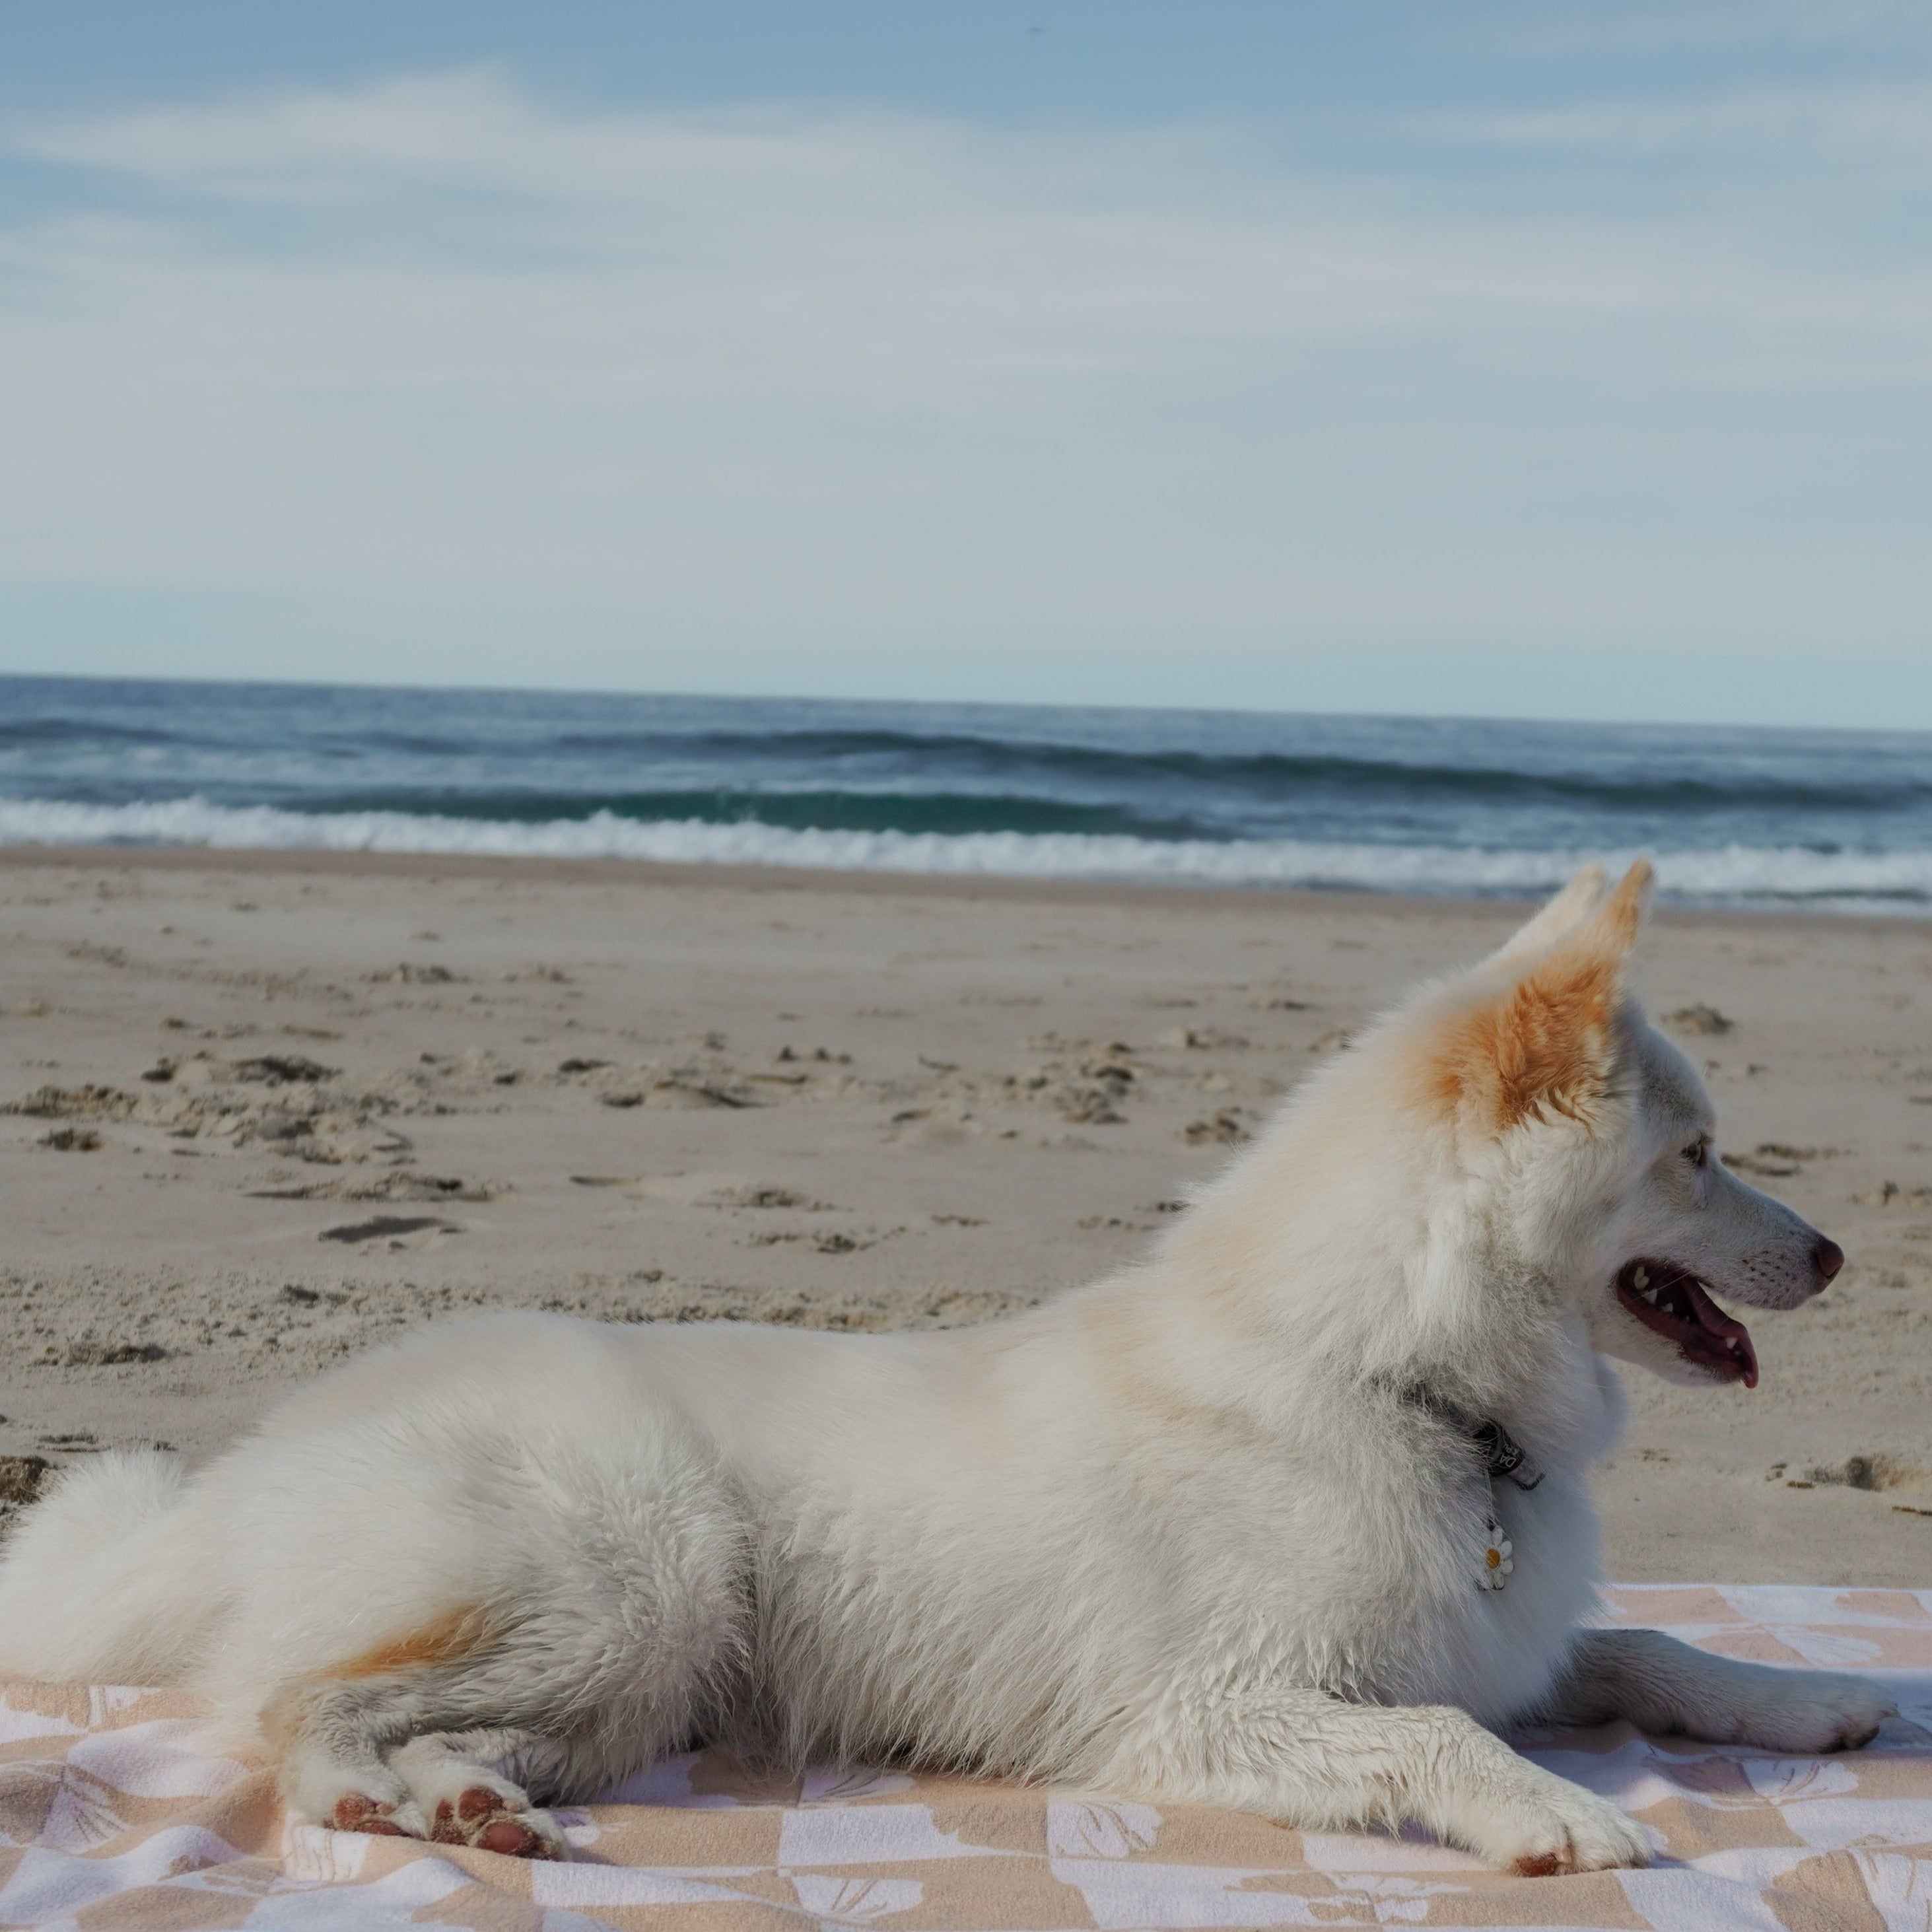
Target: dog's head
<point x="1595" y="1136"/>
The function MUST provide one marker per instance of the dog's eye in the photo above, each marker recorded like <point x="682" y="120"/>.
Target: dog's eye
<point x="1698" y="1154"/>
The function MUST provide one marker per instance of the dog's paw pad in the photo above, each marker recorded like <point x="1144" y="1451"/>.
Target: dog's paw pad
<point x="514" y="1839"/>
<point x="489" y="1821"/>
<point x="354" y="1812"/>
<point x="1543" y="1864"/>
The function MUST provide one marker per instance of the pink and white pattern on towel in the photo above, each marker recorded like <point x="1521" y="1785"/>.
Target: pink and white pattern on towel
<point x="112" y="1814"/>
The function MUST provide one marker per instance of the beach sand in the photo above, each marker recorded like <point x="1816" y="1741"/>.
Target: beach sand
<point x="262" y="1110"/>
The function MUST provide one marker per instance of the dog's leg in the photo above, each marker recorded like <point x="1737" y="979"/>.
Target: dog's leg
<point x="1668" y="1689"/>
<point x="331" y="1771"/>
<point x="611" y="1610"/>
<point x="483" y="1788"/>
<point x="457" y="1724"/>
<point x="1316" y="1763"/>
<point x="363" y="1757"/>
<point x="449" y="1752"/>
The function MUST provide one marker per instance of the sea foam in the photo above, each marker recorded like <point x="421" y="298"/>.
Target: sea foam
<point x="1899" y="881"/>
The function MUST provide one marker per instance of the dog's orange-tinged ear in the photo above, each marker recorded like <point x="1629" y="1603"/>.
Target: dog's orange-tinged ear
<point x="1566" y="910"/>
<point x="1544" y="1043"/>
<point x="1622" y="914"/>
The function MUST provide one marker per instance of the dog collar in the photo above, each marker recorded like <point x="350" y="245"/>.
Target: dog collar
<point x="1502" y="1456"/>
<point x="1504" y="1459"/>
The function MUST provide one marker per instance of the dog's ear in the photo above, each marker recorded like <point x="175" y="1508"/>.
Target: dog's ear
<point x="1566" y="910"/>
<point x="1543" y="1042"/>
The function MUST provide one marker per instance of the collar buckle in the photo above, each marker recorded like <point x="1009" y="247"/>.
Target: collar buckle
<point x="1502" y="1454"/>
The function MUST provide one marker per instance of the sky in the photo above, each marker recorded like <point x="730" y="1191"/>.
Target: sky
<point x="1556" y="360"/>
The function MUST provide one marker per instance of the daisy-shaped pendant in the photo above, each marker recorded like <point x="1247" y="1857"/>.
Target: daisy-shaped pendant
<point x="1497" y="1557"/>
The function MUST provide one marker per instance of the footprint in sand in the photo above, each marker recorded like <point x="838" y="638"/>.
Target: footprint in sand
<point x="391" y="1226"/>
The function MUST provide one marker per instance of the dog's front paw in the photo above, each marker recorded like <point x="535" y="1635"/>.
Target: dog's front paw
<point x="1812" y="1711"/>
<point x="1545" y="1824"/>
<point x="1550" y="1826"/>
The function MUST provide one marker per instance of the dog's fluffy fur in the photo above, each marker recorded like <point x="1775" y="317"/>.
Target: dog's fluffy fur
<point x="1207" y="1531"/>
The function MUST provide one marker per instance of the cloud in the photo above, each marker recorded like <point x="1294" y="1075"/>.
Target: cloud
<point x="1143" y="236"/>
<point x="1048" y="251"/>
<point x="1676" y="28"/>
<point x="725" y="376"/>
<point x="1779" y="130"/>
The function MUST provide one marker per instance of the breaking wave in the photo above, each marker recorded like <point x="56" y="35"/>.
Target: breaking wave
<point x="1874" y="881"/>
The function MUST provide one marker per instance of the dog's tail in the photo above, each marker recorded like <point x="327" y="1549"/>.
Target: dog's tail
<point x="104" y="1581"/>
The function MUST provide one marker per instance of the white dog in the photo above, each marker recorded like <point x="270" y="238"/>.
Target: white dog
<point x="1234" y="1527"/>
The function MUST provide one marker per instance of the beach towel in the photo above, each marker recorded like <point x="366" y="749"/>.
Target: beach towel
<point x="114" y="1814"/>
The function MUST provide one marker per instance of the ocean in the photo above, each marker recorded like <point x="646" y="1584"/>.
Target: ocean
<point x="1832" y="820"/>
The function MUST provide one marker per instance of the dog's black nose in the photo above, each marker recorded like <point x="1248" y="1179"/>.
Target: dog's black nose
<point x="1828" y="1257"/>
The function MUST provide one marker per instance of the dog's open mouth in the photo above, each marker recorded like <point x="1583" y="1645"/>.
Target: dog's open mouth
<point x="1674" y="1302"/>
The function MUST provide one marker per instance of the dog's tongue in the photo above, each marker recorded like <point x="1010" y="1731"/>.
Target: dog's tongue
<point x="1732" y="1337"/>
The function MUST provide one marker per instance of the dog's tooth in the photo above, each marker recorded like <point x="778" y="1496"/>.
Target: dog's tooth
<point x="1641" y="1278"/>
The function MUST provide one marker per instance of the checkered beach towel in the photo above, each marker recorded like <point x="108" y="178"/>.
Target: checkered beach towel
<point x="114" y="1814"/>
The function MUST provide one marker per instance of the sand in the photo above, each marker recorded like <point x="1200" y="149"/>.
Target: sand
<point x="263" y="1110"/>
